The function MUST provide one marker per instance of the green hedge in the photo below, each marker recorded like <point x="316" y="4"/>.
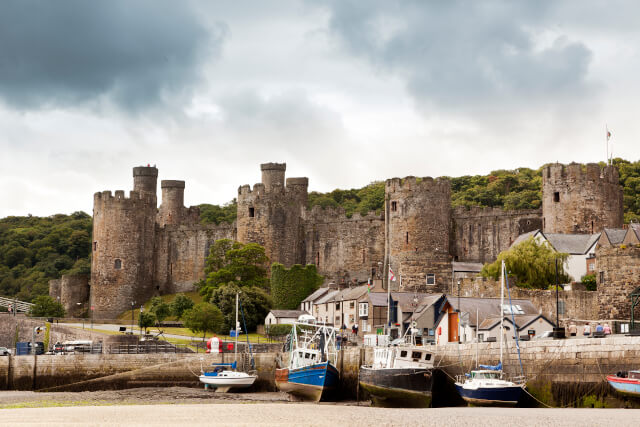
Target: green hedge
<point x="289" y="286"/>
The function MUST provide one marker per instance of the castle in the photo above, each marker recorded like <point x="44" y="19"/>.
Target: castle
<point x="140" y="249"/>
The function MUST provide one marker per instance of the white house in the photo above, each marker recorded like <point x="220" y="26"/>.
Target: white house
<point x="578" y="246"/>
<point x="282" y="317"/>
<point x="472" y="312"/>
<point x="529" y="325"/>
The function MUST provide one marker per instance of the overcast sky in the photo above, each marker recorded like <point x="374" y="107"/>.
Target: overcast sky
<point x="345" y="92"/>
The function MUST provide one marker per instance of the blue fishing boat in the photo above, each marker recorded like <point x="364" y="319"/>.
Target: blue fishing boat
<point x="627" y="383"/>
<point x="311" y="372"/>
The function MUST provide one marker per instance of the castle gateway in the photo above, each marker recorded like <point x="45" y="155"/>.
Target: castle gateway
<point x="140" y="249"/>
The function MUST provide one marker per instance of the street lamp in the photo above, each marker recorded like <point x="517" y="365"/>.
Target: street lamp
<point x="133" y="303"/>
<point x="558" y="332"/>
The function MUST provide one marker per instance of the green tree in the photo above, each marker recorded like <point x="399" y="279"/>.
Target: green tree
<point x="589" y="282"/>
<point x="289" y="286"/>
<point x="180" y="304"/>
<point x="203" y="317"/>
<point x="232" y="262"/>
<point x="146" y="320"/>
<point x="160" y="309"/>
<point x="256" y="304"/>
<point x="45" y="306"/>
<point x="531" y="262"/>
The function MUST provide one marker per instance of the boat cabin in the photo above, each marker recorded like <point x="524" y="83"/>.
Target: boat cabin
<point x="305" y="357"/>
<point x="412" y="357"/>
<point x="485" y="375"/>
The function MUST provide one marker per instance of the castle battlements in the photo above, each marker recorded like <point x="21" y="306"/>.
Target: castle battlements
<point x="412" y="183"/>
<point x="488" y="212"/>
<point x="338" y="214"/>
<point x="118" y="199"/>
<point x="577" y="172"/>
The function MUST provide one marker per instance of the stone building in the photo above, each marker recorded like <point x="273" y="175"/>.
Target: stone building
<point x="581" y="199"/>
<point x="140" y="249"/>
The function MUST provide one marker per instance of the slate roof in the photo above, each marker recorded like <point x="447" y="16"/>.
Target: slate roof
<point x="521" y="238"/>
<point x="316" y="294"/>
<point x="487" y="307"/>
<point x="575" y="244"/>
<point x="287" y="313"/>
<point x="326" y="297"/>
<point x="348" y="294"/>
<point x="522" y="320"/>
<point x="471" y="267"/>
<point x="615" y="235"/>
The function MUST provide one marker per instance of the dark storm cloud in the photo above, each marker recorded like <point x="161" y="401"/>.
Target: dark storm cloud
<point x="132" y="53"/>
<point x="465" y="55"/>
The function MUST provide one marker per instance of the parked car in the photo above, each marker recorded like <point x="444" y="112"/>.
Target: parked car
<point x="4" y="351"/>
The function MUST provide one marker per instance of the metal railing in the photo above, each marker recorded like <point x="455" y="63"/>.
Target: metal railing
<point x="22" y="306"/>
<point x="147" y="347"/>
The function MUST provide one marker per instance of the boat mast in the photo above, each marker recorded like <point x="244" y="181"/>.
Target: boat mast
<point x="477" y="339"/>
<point x="501" y="310"/>
<point x="235" y="347"/>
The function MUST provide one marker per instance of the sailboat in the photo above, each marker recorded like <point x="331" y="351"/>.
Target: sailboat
<point x="487" y="385"/>
<point x="224" y="376"/>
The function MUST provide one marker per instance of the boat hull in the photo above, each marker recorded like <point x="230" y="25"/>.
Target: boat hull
<point x="488" y="396"/>
<point x="626" y="386"/>
<point x="309" y="382"/>
<point x="398" y="387"/>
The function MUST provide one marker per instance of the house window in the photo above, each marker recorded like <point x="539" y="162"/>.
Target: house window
<point x="337" y="306"/>
<point x="431" y="279"/>
<point x="337" y="320"/>
<point x="394" y="206"/>
<point x="556" y="197"/>
<point x="252" y="212"/>
<point x="117" y="264"/>
<point x="352" y="304"/>
<point x="363" y="309"/>
<point x="480" y="337"/>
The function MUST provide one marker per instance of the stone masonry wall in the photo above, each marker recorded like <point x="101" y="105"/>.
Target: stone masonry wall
<point x="480" y="234"/>
<point x="617" y="275"/>
<point x="344" y="248"/>
<point x="181" y="252"/>
<point x="579" y="199"/>
<point x="417" y="213"/>
<point x="579" y="305"/>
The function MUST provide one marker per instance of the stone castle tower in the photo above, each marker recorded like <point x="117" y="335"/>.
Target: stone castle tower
<point x="417" y="224"/>
<point x="271" y="214"/>
<point x="579" y="199"/>
<point x="122" y="264"/>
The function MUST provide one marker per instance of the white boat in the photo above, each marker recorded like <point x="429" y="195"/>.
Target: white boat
<point x="224" y="375"/>
<point x="222" y="380"/>
<point x="488" y="386"/>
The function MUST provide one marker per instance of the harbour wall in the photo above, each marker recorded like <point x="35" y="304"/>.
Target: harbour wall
<point x="559" y="372"/>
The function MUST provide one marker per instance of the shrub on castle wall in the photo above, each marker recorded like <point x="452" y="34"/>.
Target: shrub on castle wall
<point x="289" y="286"/>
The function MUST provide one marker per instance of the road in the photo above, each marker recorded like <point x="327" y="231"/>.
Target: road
<point x="284" y="414"/>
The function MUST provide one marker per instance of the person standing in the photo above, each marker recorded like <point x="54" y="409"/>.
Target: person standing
<point x="587" y="330"/>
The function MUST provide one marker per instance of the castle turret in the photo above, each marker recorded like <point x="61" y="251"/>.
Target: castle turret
<point x="417" y="221"/>
<point x="581" y="199"/>
<point x="270" y="214"/>
<point x="123" y="246"/>
<point x="172" y="207"/>
<point x="273" y="175"/>
<point x="145" y="179"/>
